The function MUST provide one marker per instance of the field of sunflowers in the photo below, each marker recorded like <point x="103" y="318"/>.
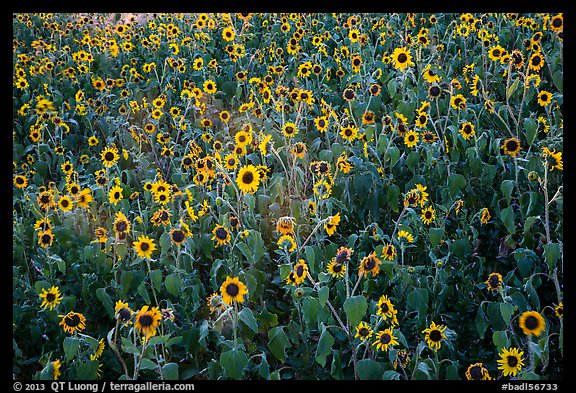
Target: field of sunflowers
<point x="287" y="196"/>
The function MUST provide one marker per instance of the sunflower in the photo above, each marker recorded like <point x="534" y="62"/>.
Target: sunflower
<point x="243" y="138"/>
<point x="115" y="194"/>
<point x="121" y="225"/>
<point x="427" y="215"/>
<point x="430" y="76"/>
<point x="532" y="323"/>
<point x="299" y="150"/>
<point x="386" y="310"/>
<point x="434" y="336"/>
<point x="287" y="242"/>
<point x="72" y="322"/>
<point x="374" y="90"/>
<point x="123" y="313"/>
<point x="536" y="61"/>
<point x="494" y="282"/>
<point x="215" y="303"/>
<point x="458" y="101"/>
<point x="56" y="364"/>
<point x="20" y="181"/>
<point x="343" y="255"/>
<point x="332" y="223"/>
<point x="421" y="119"/>
<point x="434" y="91"/>
<point x="544" y="98"/>
<point x="411" y="138"/>
<point x="406" y="235"/>
<point x="147" y="321"/>
<point x="109" y="156"/>
<point x="67" y="167"/>
<point x="285" y="225"/>
<point x="45" y="200"/>
<point x="384" y="339"/>
<point x="402" y="58"/>
<point x="84" y="198"/>
<point x="485" y="216"/>
<point x="559" y="310"/>
<point x="402" y="359"/>
<point x="511" y="146"/>
<point x="557" y="23"/>
<point x="517" y="59"/>
<point x="510" y="362"/>
<point x="363" y="331"/>
<point x="336" y="269"/>
<point x="300" y="270"/>
<point x="411" y="199"/>
<point x="50" y="298"/>
<point x="209" y="86"/>
<point x="45" y="238"/>
<point x="369" y="264"/>
<point x="321" y="123"/>
<point x="65" y="203"/>
<point x="178" y="236"/>
<point x="228" y="33"/>
<point x="556" y="156"/>
<point x="221" y="235"/>
<point x="233" y="290"/>
<point x="388" y="252"/>
<point x="496" y="52"/>
<point x="349" y="133"/>
<point x="467" y="130"/>
<point x="476" y="372"/>
<point x="290" y="129"/>
<point x="248" y="179"/>
<point x="144" y="246"/>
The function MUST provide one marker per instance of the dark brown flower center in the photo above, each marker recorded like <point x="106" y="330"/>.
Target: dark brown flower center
<point x="531" y="322"/>
<point x="556" y="22"/>
<point x="494" y="281"/>
<point x="45" y="199"/>
<point x="435" y="335"/>
<point x="512" y="145"/>
<point x="363" y="332"/>
<point x="300" y="270"/>
<point x="385" y="338"/>
<point x="476" y="373"/>
<point x="402" y="58"/>
<point x="144" y="246"/>
<point x="221" y="233"/>
<point x="146" y="320"/>
<point x="46" y="238"/>
<point x="248" y="177"/>
<point x="50" y="297"/>
<point x="124" y="314"/>
<point x="232" y="289"/>
<point x="536" y="60"/>
<point x="178" y="236"/>
<point x="434" y="91"/>
<point x="384" y="308"/>
<point x="349" y="94"/>
<point x="369" y="264"/>
<point x="121" y="226"/>
<point x="72" y="320"/>
<point x="337" y="268"/>
<point x="109" y="156"/>
<point x="512" y="361"/>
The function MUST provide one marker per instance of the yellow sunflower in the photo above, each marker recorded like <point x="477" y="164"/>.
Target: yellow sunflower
<point x="147" y="321"/>
<point x="434" y="336"/>
<point x="402" y="58"/>
<point x="232" y="289"/>
<point x="511" y="361"/>
<point x="248" y="179"/>
<point x="144" y="246"/>
<point x="532" y="323"/>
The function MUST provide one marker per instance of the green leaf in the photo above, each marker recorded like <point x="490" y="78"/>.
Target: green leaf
<point x="87" y="371"/>
<point x="158" y="340"/>
<point x="233" y="363"/>
<point x="147" y="364"/>
<point x="391" y="375"/>
<point x="129" y="347"/>
<point x="310" y="308"/>
<point x="106" y="301"/>
<point x="170" y="371"/>
<point x="500" y="339"/>
<point x="394" y="154"/>
<point x="324" y="347"/>
<point x="551" y="254"/>
<point x="558" y="79"/>
<point x="143" y="293"/>
<point x="156" y="278"/>
<point x="452" y="371"/>
<point x="264" y="367"/>
<point x="531" y="128"/>
<point x="278" y="342"/>
<point x="460" y="248"/>
<point x="355" y="308"/>
<point x="71" y="346"/>
<point x="512" y="88"/>
<point x="435" y="235"/>
<point x="39" y="285"/>
<point x="507" y="186"/>
<point x="456" y="182"/>
<point x="418" y="300"/>
<point x="481" y="322"/>
<point x="323" y="293"/>
<point x="369" y="369"/>
<point x="247" y="317"/>
<point x="507" y="217"/>
<point x="507" y="310"/>
<point x="173" y="284"/>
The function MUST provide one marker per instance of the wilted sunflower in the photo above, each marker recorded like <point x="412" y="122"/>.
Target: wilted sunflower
<point x="45" y="238"/>
<point x="332" y="223"/>
<point x="84" y="198"/>
<point x="147" y="321"/>
<point x="510" y="362"/>
<point x="221" y="235"/>
<point x="458" y="102"/>
<point x="300" y="270"/>
<point x="109" y="156"/>
<point x="485" y="216"/>
<point x="123" y="313"/>
<point x="494" y="282"/>
<point x="363" y="331"/>
<point x="144" y="246"/>
<point x="388" y="252"/>
<point x="50" y="298"/>
<point x="532" y="323"/>
<point x="511" y="146"/>
<point x="411" y="199"/>
<point x="56" y="364"/>
<point x="285" y="225"/>
<point x="434" y="336"/>
<point x="45" y="200"/>
<point x="384" y="339"/>
<point x="476" y="372"/>
<point x="72" y="322"/>
<point x="434" y="91"/>
<point x="348" y="94"/>
<point x="402" y="359"/>
<point x="248" y="179"/>
<point x="299" y="149"/>
<point x="369" y="264"/>
<point x="178" y="236"/>
<point x="215" y="303"/>
<point x="232" y="289"/>
<point x="402" y="58"/>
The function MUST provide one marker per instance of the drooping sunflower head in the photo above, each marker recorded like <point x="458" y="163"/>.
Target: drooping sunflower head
<point x="476" y="372"/>
<point x="369" y="264"/>
<point x="332" y="223"/>
<point x="72" y="322"/>
<point x="389" y="252"/>
<point x="343" y="255"/>
<point x="300" y="270"/>
<point x="336" y="269"/>
<point x="285" y="225"/>
<point x="494" y="282"/>
<point x="532" y="323"/>
<point x="123" y="313"/>
<point x="287" y="242"/>
<point x="232" y="289"/>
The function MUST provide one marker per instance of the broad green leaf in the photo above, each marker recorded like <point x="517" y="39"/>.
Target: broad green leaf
<point x="355" y="308"/>
<point x="507" y="217"/>
<point x="551" y="254"/>
<point x="507" y="186"/>
<point x="233" y="363"/>
<point x="87" y="371"/>
<point x="435" y="235"/>
<point x="512" y="88"/>
<point x="278" y="342"/>
<point x="106" y="301"/>
<point x="507" y="310"/>
<point x="147" y="364"/>
<point x="310" y="308"/>
<point x="531" y="128"/>
<point x="369" y="369"/>
<point x="456" y="182"/>
<point x="173" y="284"/>
<point x="500" y="339"/>
<point x="324" y="347"/>
<point x="71" y="346"/>
<point x="170" y="371"/>
<point x="156" y="278"/>
<point x="323" y="293"/>
<point x="247" y="317"/>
